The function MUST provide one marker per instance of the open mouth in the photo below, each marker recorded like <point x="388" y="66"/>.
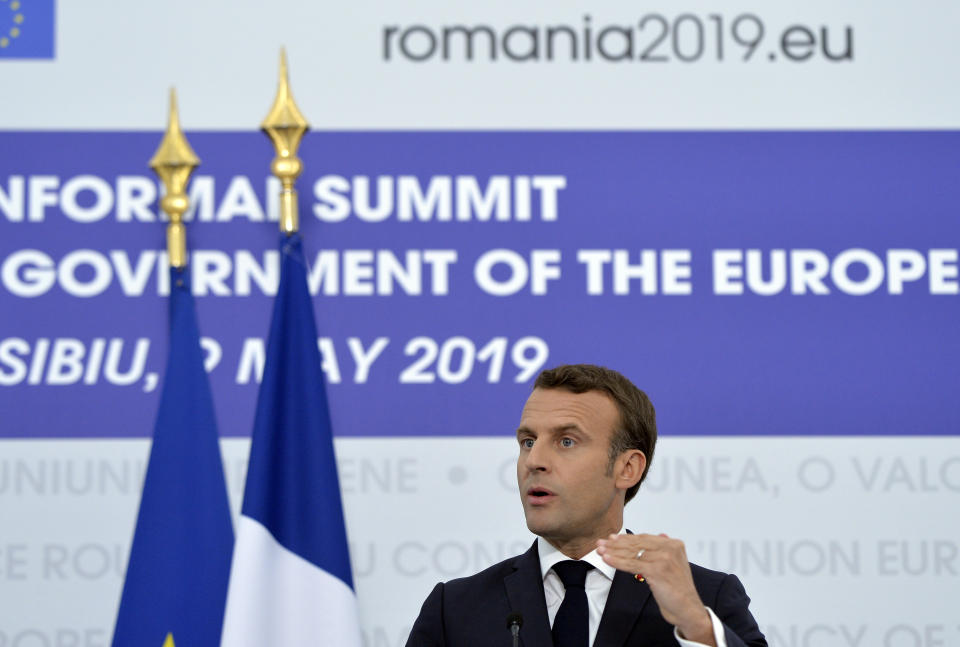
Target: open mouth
<point x="539" y="495"/>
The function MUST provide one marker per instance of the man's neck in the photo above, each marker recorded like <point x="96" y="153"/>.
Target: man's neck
<point x="577" y="547"/>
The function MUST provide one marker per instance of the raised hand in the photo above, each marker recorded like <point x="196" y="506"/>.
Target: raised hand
<point x="663" y="563"/>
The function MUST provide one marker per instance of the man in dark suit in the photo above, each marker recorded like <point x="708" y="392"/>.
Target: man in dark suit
<point x="586" y="438"/>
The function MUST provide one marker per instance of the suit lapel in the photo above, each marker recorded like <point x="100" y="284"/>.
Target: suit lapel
<point x="624" y="604"/>
<point x="525" y="593"/>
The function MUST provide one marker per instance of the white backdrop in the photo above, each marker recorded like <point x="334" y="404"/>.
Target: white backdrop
<point x="838" y="541"/>
<point x="120" y="58"/>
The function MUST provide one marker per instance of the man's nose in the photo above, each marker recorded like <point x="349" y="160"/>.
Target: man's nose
<point x="537" y="459"/>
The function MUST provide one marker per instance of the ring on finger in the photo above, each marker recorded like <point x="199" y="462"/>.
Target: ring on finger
<point x="639" y="554"/>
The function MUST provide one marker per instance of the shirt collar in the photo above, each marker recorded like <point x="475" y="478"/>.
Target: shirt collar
<point x="549" y="556"/>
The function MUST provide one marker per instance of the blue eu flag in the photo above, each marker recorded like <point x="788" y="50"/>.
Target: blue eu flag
<point x="27" y="28"/>
<point x="180" y="560"/>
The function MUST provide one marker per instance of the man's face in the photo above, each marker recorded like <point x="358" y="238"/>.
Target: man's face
<point x="567" y="490"/>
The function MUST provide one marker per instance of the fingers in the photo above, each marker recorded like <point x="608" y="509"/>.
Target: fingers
<point x="640" y="553"/>
<point x="619" y="552"/>
<point x="649" y="541"/>
<point x="624" y="552"/>
<point x="636" y="543"/>
<point x="629" y="562"/>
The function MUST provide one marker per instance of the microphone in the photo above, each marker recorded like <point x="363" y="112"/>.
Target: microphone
<point x="514" y="622"/>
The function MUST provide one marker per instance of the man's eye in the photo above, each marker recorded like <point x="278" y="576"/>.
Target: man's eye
<point x="567" y="442"/>
<point x="526" y="443"/>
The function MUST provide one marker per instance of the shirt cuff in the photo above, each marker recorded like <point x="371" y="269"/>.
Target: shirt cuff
<point x="718" y="633"/>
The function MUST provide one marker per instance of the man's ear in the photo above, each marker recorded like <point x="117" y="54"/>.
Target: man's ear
<point x="629" y="468"/>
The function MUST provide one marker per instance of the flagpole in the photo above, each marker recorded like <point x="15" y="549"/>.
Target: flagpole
<point x="291" y="583"/>
<point x="286" y="125"/>
<point x="174" y="162"/>
<point x="177" y="574"/>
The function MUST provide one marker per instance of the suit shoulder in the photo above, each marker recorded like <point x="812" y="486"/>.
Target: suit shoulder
<point x="708" y="582"/>
<point x="490" y="576"/>
<point x="706" y="575"/>
<point x="725" y="595"/>
<point x="459" y="610"/>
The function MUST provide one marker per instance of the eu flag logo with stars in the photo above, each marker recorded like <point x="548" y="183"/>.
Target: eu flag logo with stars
<point x="27" y="28"/>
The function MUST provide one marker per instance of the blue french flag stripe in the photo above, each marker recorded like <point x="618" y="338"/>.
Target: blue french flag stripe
<point x="291" y="577"/>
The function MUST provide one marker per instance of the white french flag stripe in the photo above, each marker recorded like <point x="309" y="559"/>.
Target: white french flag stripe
<point x="278" y="598"/>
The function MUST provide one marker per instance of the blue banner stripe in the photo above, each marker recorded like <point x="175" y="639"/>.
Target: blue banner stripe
<point x="793" y="361"/>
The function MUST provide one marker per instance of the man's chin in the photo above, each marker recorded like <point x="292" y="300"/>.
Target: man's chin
<point x="539" y="523"/>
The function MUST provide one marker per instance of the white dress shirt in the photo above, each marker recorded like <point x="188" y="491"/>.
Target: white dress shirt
<point x="598" y="583"/>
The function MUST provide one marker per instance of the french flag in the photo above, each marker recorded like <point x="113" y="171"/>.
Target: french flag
<point x="290" y="579"/>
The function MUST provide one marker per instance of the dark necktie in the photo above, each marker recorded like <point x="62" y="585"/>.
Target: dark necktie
<point x="571" y="626"/>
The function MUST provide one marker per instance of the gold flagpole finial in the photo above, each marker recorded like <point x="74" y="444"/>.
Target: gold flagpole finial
<point x="173" y="162"/>
<point x="286" y="125"/>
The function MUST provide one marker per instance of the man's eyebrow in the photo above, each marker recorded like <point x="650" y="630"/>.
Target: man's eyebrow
<point x="559" y="429"/>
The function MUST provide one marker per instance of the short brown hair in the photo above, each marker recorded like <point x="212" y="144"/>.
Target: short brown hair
<point x="638" y="419"/>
